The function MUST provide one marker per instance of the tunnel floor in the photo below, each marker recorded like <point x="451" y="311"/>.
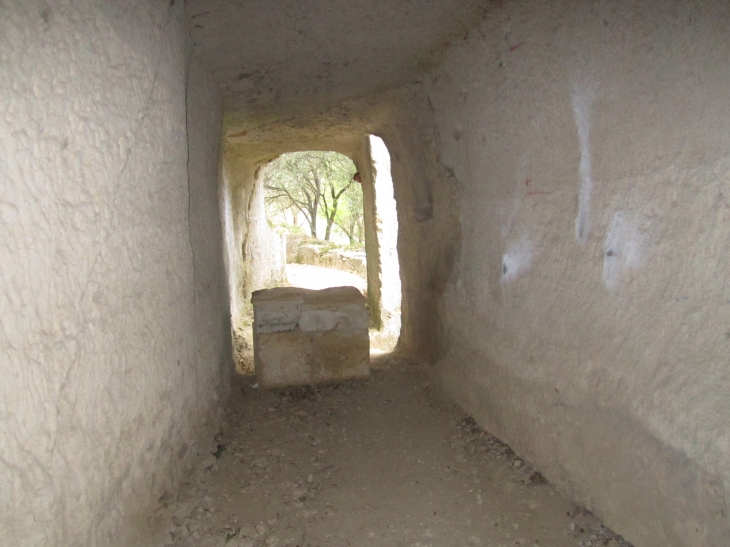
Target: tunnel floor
<point x="383" y="462"/>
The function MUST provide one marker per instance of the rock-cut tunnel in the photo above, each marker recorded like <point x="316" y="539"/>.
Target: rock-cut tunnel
<point x="561" y="173"/>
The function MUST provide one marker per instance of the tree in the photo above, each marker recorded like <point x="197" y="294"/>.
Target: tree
<point x="313" y="183"/>
<point x="350" y="215"/>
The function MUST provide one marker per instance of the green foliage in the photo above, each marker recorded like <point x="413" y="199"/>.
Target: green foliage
<point x="316" y="185"/>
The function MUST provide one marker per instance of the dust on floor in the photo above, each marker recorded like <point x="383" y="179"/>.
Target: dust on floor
<point x="383" y="462"/>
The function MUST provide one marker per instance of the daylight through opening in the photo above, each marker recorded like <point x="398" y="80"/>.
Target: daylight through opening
<point x="315" y="200"/>
<point x="336" y="225"/>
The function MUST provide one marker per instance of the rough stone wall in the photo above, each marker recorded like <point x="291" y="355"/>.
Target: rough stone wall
<point x="266" y="246"/>
<point x="320" y="57"/>
<point x="212" y="318"/>
<point x="586" y="322"/>
<point x="363" y="161"/>
<point x="256" y="254"/>
<point x="427" y="203"/>
<point x="111" y="313"/>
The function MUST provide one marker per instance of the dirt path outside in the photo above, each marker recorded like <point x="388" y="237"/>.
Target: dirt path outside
<point x="317" y="277"/>
<point x="385" y="462"/>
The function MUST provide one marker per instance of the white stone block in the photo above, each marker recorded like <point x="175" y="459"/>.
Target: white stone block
<point x="277" y="310"/>
<point x="307" y="337"/>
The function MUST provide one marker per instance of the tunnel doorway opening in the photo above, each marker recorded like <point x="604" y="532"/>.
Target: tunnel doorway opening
<point x="314" y="199"/>
<point x="319" y="219"/>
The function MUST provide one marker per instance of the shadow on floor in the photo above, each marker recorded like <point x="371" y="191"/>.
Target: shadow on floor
<point x="382" y="462"/>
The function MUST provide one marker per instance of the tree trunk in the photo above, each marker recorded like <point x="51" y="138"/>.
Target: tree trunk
<point x="313" y="227"/>
<point x="313" y="214"/>
<point x="330" y="221"/>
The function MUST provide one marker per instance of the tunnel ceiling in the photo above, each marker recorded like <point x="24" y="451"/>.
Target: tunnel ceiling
<point x="270" y="57"/>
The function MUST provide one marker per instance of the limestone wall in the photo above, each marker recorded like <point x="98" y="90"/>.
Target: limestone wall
<point x="427" y="204"/>
<point x="264" y="246"/>
<point x="586" y="322"/>
<point x="113" y="321"/>
<point x="256" y="254"/>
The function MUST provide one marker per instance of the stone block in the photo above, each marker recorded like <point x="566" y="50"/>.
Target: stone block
<point x="334" y="309"/>
<point x="340" y="354"/>
<point x="303" y="336"/>
<point x="277" y="310"/>
<point x="283" y="358"/>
